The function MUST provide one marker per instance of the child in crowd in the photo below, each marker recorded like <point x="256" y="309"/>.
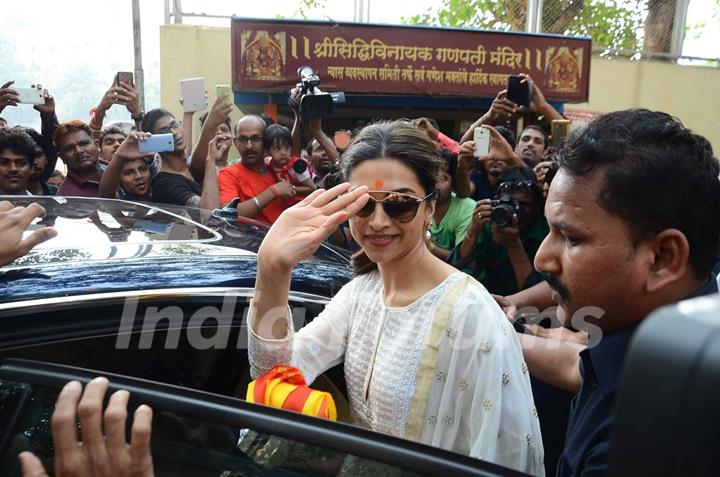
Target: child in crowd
<point x="285" y="165"/>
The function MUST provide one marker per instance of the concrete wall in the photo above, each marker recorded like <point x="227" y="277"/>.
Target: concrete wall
<point x="188" y="51"/>
<point x="690" y="93"/>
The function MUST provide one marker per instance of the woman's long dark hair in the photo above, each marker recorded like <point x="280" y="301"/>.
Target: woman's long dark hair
<point x="398" y="140"/>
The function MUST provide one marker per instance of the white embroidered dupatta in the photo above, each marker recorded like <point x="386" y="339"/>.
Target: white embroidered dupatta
<point x="473" y="392"/>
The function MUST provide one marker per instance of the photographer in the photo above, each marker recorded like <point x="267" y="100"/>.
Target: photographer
<point x="321" y="150"/>
<point x="501" y="255"/>
<point x="309" y="104"/>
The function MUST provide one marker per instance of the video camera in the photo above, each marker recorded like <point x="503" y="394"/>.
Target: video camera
<point x="315" y="103"/>
<point x="504" y="208"/>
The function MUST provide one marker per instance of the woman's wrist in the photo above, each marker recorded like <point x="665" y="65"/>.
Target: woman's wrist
<point x="268" y="264"/>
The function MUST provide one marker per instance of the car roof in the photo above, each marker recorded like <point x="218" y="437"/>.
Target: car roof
<point x="113" y="245"/>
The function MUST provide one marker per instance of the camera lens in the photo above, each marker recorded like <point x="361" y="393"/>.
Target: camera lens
<point x="316" y="106"/>
<point x="502" y="215"/>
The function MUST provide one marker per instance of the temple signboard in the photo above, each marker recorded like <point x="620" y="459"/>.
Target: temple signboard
<point x="400" y="60"/>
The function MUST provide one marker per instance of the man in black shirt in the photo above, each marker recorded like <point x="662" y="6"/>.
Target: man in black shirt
<point x="634" y="216"/>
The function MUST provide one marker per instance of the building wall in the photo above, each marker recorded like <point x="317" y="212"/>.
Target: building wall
<point x="690" y="93"/>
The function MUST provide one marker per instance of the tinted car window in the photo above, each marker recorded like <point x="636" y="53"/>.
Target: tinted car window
<point x="176" y="349"/>
<point x="182" y="443"/>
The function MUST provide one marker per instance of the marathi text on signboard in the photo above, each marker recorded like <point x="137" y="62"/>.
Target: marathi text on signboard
<point x="405" y="60"/>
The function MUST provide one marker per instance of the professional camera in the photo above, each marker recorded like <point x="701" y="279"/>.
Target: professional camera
<point x="504" y="208"/>
<point x="315" y="103"/>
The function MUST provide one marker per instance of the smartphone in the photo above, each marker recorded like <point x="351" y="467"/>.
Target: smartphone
<point x="223" y="90"/>
<point x="157" y="143"/>
<point x="560" y="130"/>
<point x="518" y="92"/>
<point x="193" y="94"/>
<point x="482" y="142"/>
<point x="31" y="95"/>
<point x="125" y="76"/>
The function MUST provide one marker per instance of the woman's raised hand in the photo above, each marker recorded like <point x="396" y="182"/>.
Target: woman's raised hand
<point x="300" y="229"/>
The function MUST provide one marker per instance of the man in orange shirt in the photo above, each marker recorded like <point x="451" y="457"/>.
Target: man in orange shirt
<point x="261" y="196"/>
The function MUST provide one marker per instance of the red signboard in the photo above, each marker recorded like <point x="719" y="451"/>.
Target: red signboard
<point x="389" y="59"/>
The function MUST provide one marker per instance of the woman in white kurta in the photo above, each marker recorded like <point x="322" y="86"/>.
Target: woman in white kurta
<point x="428" y="354"/>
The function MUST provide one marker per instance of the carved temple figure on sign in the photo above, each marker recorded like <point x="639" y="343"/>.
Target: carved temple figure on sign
<point x="263" y="55"/>
<point x="563" y="69"/>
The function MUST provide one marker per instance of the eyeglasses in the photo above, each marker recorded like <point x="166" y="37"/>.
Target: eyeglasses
<point x="169" y="129"/>
<point x="398" y="206"/>
<point x="253" y="139"/>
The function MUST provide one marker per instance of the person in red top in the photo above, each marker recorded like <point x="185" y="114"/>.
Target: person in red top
<point x="262" y="197"/>
<point x="285" y="162"/>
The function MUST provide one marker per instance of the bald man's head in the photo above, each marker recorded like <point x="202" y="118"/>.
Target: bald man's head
<point x="249" y="139"/>
<point x="253" y="119"/>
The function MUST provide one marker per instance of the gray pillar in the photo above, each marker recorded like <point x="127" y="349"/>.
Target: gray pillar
<point x="137" y="44"/>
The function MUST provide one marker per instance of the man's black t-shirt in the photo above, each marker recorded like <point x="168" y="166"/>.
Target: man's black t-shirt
<point x="169" y="188"/>
<point x="587" y="440"/>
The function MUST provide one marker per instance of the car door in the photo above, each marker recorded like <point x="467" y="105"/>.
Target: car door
<point x="199" y="433"/>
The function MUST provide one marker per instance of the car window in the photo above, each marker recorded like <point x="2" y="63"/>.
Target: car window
<point x="183" y="443"/>
<point x="178" y="349"/>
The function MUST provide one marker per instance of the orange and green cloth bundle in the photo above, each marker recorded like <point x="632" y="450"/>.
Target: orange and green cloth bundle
<point x="284" y="387"/>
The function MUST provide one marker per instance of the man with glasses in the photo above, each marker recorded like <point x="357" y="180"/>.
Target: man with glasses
<point x="499" y="248"/>
<point x="261" y="196"/>
<point x="175" y="183"/>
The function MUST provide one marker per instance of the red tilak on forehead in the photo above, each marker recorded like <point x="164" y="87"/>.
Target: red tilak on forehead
<point x="378" y="184"/>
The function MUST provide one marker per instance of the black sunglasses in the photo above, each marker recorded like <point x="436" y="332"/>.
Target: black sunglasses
<point x="518" y="186"/>
<point x="398" y="206"/>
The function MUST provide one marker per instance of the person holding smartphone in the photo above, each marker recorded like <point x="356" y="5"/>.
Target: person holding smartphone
<point x="128" y="175"/>
<point x="49" y="122"/>
<point x="175" y="182"/>
<point x="121" y="92"/>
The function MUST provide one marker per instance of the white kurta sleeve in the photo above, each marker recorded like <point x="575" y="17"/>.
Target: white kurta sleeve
<point x="481" y="402"/>
<point x="314" y="349"/>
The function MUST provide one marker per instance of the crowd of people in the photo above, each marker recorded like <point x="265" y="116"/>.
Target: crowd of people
<point x="624" y="217"/>
<point x="273" y="172"/>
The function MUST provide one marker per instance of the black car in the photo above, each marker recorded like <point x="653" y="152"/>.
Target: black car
<point x="155" y="299"/>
